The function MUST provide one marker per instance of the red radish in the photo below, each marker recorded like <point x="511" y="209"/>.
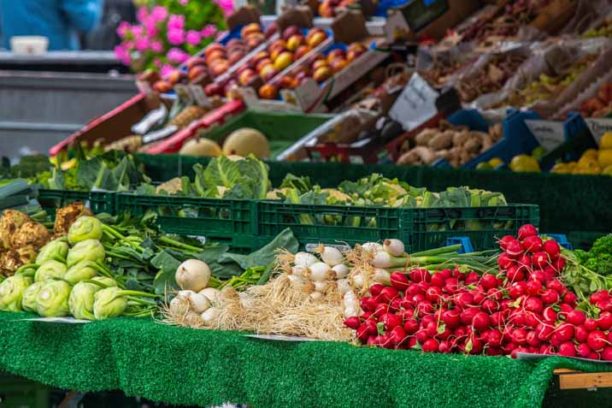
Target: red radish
<point x="596" y="340"/>
<point x="421" y="336"/>
<point x="519" y="336"/>
<point x="558" y="264"/>
<point x="552" y="248"/>
<point x="412" y="290"/>
<point x="451" y="285"/>
<point x="371" y="341"/>
<point x="532" y="339"/>
<point x="380" y="310"/>
<point x="451" y="318"/>
<point x="494" y="338"/>
<point x="581" y="334"/>
<point x="371" y="327"/>
<point x="480" y="321"/>
<point x="575" y="317"/>
<point x="368" y="304"/>
<point x="352" y="322"/>
<point x="549" y="314"/>
<point x="445" y="273"/>
<point x="549" y="297"/>
<point x="567" y="349"/>
<point x="534" y="287"/>
<point x="565" y="332"/>
<point x="570" y="298"/>
<point x="516" y="290"/>
<point x="600" y="295"/>
<point x="540" y="259"/>
<point x="395" y="304"/>
<point x="366" y="315"/>
<point x="524" y="261"/>
<point x="464" y="299"/>
<point x="514" y="249"/>
<point x="433" y="294"/>
<point x="531" y="320"/>
<point x="590" y="324"/>
<point x="538" y="275"/>
<point x="514" y="274"/>
<point x="399" y="281"/>
<point x="430" y="346"/>
<point x="468" y="315"/>
<point x="397" y="335"/>
<point x="565" y="308"/>
<point x="376" y="288"/>
<point x="420" y="275"/>
<point x="444" y="347"/>
<point x="583" y="350"/>
<point x="496" y="319"/>
<point x="363" y="333"/>
<point x="544" y="332"/>
<point x="424" y="308"/>
<point x="606" y="354"/>
<point x="605" y="321"/>
<point x="412" y="342"/>
<point x="555" y="284"/>
<point x="437" y="280"/>
<point x="549" y="273"/>
<point x="594" y="356"/>
<point x="490" y="306"/>
<point x="478" y="297"/>
<point x="534" y="304"/>
<point x="488" y="281"/>
<point x="388" y="294"/>
<point x="391" y="320"/>
<point x="527" y="230"/>
<point x="471" y="277"/>
<point x="411" y="326"/>
<point x="504" y="261"/>
<point x="532" y="244"/>
<point x="505" y="240"/>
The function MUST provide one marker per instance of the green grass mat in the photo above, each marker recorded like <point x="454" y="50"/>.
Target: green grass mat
<point x="197" y="367"/>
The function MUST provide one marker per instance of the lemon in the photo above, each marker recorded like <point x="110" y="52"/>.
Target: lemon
<point x="607" y="171"/>
<point x="538" y="152"/>
<point x="524" y="163"/>
<point x="561" y="168"/>
<point x="496" y="162"/>
<point x="606" y="141"/>
<point x="484" y="166"/>
<point x="605" y="157"/>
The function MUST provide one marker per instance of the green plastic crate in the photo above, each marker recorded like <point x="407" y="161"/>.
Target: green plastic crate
<point x="418" y="228"/>
<point x="282" y="129"/>
<point x="98" y="202"/>
<point x="229" y="221"/>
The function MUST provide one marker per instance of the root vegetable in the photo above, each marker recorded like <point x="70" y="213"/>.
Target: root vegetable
<point x="320" y="271"/>
<point x="330" y="255"/>
<point x="394" y="247"/>
<point x="343" y="286"/>
<point x="199" y="303"/>
<point x="304" y="259"/>
<point x="341" y="271"/>
<point x="192" y="274"/>
<point x="210" y="315"/>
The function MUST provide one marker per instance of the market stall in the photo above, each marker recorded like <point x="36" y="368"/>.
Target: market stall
<point x="347" y="211"/>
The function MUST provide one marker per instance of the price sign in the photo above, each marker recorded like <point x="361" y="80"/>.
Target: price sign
<point x="183" y="93"/>
<point x="598" y="127"/>
<point x="200" y="97"/>
<point x="416" y="104"/>
<point x="548" y="133"/>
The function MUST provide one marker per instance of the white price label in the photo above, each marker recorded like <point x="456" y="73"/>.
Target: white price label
<point x="183" y="93"/>
<point x="416" y="104"/>
<point x="598" y="127"/>
<point x="200" y="97"/>
<point x="548" y="133"/>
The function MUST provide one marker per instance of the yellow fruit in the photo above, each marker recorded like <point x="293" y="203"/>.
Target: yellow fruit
<point x="484" y="166"/>
<point x="606" y="141"/>
<point x="590" y="169"/>
<point x="201" y="147"/>
<point x="245" y="141"/>
<point x="524" y="163"/>
<point x="561" y="168"/>
<point x="592" y="153"/>
<point x="607" y="171"/>
<point x="604" y="157"/>
<point x="587" y="160"/>
<point x="496" y="162"/>
<point x="538" y="152"/>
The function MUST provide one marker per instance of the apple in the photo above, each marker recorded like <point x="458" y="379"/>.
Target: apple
<point x="195" y="61"/>
<point x="337" y="53"/>
<point x="250" y="29"/>
<point x="268" y="72"/>
<point x="291" y="30"/>
<point x="216" y="54"/>
<point x="262" y="63"/>
<point x="245" y="76"/>
<point x="254" y="40"/>
<point x="276" y="52"/>
<point x="301" y="51"/>
<point x="233" y="43"/>
<point x="213" y="89"/>
<point x="235" y="56"/>
<point x="316" y="39"/>
<point x="338" y="64"/>
<point x="357" y="46"/>
<point x="260" y="56"/>
<point x="313" y="31"/>
<point x="213" y="47"/>
<point x="175" y="76"/>
<point x="277" y="44"/>
<point x="218" y="67"/>
<point x="321" y="74"/>
<point x="196" y="72"/>
<point x="271" y="30"/>
<point x="294" y="42"/>
<point x="325" y="10"/>
<point x="287" y="82"/>
<point x="162" y="86"/>
<point x="283" y="60"/>
<point x="319" y="63"/>
<point x="268" y="91"/>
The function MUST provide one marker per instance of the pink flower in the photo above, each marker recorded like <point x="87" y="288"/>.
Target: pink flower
<point x="137" y="31"/>
<point x="151" y="28"/>
<point x="183" y="2"/>
<point x="142" y="14"/>
<point x="123" y="28"/>
<point x="159" y="13"/>
<point x="193" y="37"/>
<point x="226" y="5"/>
<point x="177" y="56"/>
<point x="176" y="22"/>
<point x="157" y="62"/>
<point x="166" y="70"/>
<point x="123" y="54"/>
<point x="209" y="31"/>
<point x="176" y="36"/>
<point x="156" y="46"/>
<point x="142" y="44"/>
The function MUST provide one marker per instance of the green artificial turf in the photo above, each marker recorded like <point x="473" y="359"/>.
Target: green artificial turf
<point x="197" y="367"/>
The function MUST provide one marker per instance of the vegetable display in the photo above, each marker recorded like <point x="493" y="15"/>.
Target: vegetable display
<point x="523" y="306"/>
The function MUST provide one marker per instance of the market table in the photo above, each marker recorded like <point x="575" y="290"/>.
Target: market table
<point x="184" y="366"/>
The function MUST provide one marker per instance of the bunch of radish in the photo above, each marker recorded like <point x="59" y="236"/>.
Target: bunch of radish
<point x="523" y="307"/>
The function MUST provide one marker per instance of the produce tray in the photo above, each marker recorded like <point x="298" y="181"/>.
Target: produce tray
<point x="98" y="202"/>
<point x="228" y="221"/>
<point x="418" y="228"/>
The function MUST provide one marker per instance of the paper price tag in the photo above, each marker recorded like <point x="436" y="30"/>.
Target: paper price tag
<point x="199" y="96"/>
<point x="416" y="104"/>
<point x="598" y="127"/>
<point x="548" y="133"/>
<point x="183" y="93"/>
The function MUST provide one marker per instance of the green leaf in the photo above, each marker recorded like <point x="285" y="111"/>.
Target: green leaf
<point x="166" y="264"/>
<point x="267" y="254"/>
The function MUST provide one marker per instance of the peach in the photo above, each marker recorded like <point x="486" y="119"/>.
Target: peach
<point x="218" y="67"/>
<point x="276" y="52"/>
<point x="214" y="55"/>
<point x="316" y="39"/>
<point x="162" y="86"/>
<point x="213" y="89"/>
<point x="283" y="60"/>
<point x="301" y="51"/>
<point x="254" y="41"/>
<point x="294" y="42"/>
<point x="195" y="61"/>
<point x="271" y="30"/>
<point x="235" y="57"/>
<point x="313" y="31"/>
<point x="336" y="53"/>
<point x="262" y="63"/>
<point x="213" y="47"/>
<point x="280" y="43"/>
<point x="357" y="47"/>
<point x="338" y="64"/>
<point x="287" y="82"/>
<point x="175" y="77"/>
<point x="249" y="30"/>
<point x="246" y="76"/>
<point x="325" y="10"/>
<point x="234" y="42"/>
<point x="290" y="31"/>
<point x="322" y="74"/>
<point x="319" y="63"/>
<point x="268" y="72"/>
<point x="268" y="91"/>
<point x="196" y="72"/>
<point x="260" y="56"/>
